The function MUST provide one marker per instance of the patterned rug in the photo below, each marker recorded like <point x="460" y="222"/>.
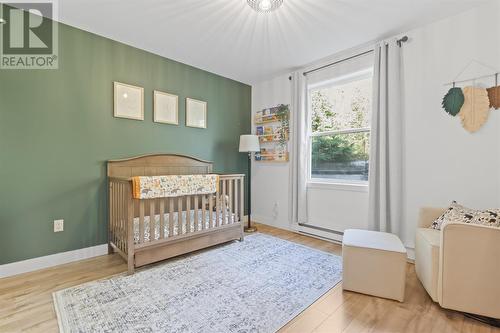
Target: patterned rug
<point x="257" y="285"/>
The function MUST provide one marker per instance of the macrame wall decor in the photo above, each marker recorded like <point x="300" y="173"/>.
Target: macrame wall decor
<point x="476" y="108"/>
<point x="494" y="94"/>
<point x="471" y="103"/>
<point x="453" y="101"/>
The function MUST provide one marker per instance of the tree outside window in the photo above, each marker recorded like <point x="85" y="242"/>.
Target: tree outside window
<point x="340" y="122"/>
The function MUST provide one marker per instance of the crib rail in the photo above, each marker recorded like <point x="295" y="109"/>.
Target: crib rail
<point x="135" y="224"/>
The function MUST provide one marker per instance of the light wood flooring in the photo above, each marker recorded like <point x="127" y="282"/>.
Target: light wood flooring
<point x="26" y="300"/>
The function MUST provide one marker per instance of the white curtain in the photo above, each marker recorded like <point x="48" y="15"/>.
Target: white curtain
<point x="299" y="149"/>
<point x="386" y="155"/>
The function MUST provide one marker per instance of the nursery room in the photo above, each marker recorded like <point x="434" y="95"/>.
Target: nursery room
<point x="250" y="166"/>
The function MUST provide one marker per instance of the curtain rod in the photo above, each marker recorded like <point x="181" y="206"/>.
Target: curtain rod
<point x="400" y="42"/>
<point x="337" y="62"/>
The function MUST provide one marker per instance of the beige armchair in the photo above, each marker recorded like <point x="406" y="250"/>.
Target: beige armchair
<point x="459" y="266"/>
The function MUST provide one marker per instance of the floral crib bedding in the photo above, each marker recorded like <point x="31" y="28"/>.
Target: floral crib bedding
<point x="150" y="187"/>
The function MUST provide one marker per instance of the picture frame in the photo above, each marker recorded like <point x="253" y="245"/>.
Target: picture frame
<point x="165" y="108"/>
<point x="128" y="101"/>
<point x="196" y="113"/>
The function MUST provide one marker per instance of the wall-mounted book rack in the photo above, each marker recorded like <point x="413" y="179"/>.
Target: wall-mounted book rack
<point x="272" y="127"/>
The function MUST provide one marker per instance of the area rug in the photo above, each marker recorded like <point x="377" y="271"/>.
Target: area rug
<point x="257" y="285"/>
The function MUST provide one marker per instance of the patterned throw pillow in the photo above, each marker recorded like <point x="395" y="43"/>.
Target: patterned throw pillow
<point x="459" y="213"/>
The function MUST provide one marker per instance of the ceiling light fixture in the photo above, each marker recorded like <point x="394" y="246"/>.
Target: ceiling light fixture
<point x="265" y="6"/>
<point x="2" y="21"/>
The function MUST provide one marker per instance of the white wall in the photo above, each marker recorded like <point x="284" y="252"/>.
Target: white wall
<point x="338" y="209"/>
<point x="443" y="161"/>
<point x="270" y="181"/>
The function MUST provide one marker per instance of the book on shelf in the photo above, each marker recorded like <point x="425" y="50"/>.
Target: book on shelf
<point x="267" y="115"/>
<point x="272" y="155"/>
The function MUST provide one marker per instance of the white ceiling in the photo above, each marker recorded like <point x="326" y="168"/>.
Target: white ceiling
<point x="227" y="37"/>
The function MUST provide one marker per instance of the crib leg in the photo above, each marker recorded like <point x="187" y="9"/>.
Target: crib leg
<point x="110" y="249"/>
<point x="131" y="268"/>
<point x="130" y="265"/>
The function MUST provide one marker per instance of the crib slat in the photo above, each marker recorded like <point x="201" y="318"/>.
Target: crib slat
<point x="120" y="215"/>
<point x="162" y="218"/>
<point x="115" y="212"/>
<point x="188" y="214"/>
<point x="171" y="218"/>
<point x="152" y="220"/>
<point x="211" y="210"/>
<point x="236" y="204"/>
<point x="203" y="211"/>
<point x="141" y="221"/>
<point x="180" y="221"/>
<point x="231" y="197"/>
<point x="217" y="209"/>
<point x="196" y="208"/>
<point x="125" y="218"/>
<point x="224" y="203"/>
<point x="242" y="199"/>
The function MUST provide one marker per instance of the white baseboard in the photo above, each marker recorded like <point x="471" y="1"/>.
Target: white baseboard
<point x="271" y="222"/>
<point x="35" y="264"/>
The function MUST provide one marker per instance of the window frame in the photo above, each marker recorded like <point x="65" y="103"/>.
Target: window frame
<point x="341" y="184"/>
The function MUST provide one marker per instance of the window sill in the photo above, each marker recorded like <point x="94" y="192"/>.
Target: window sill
<point x="338" y="186"/>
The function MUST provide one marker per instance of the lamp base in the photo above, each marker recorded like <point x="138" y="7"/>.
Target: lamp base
<point x="250" y="230"/>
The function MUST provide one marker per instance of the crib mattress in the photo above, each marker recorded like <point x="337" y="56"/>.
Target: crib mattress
<point x="179" y="230"/>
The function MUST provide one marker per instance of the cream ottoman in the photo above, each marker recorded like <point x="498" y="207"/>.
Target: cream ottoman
<point x="374" y="264"/>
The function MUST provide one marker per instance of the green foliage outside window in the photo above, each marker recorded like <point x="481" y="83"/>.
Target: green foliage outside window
<point x="343" y="147"/>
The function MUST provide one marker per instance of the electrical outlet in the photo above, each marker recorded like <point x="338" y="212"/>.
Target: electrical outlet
<point x="58" y="225"/>
<point x="275" y="210"/>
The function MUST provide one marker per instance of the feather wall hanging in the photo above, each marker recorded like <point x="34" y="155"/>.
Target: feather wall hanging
<point x="472" y="104"/>
<point x="453" y="101"/>
<point x="476" y="108"/>
<point x="494" y="94"/>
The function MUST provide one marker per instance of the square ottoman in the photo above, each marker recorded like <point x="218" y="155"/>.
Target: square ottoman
<point x="374" y="264"/>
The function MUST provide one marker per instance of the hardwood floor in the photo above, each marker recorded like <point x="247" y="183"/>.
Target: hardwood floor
<point x="26" y="300"/>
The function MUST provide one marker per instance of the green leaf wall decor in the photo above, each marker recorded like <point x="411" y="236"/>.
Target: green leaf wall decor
<point x="453" y="101"/>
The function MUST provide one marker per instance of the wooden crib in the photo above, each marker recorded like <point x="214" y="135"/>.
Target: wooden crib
<point x="144" y="231"/>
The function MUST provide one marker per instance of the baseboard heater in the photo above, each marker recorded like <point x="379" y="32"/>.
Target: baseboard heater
<point x="321" y="229"/>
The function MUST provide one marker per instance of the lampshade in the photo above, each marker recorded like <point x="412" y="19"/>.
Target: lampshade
<point x="249" y="143"/>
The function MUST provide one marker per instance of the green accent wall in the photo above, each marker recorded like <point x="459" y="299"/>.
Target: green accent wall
<point x="57" y="131"/>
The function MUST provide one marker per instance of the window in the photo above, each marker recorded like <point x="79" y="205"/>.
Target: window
<point x="340" y="112"/>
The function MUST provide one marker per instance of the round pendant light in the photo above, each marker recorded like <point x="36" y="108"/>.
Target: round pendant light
<point x="265" y="6"/>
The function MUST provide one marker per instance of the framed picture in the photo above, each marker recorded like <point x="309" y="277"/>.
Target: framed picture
<point x="128" y="101"/>
<point x="166" y="108"/>
<point x="196" y="113"/>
